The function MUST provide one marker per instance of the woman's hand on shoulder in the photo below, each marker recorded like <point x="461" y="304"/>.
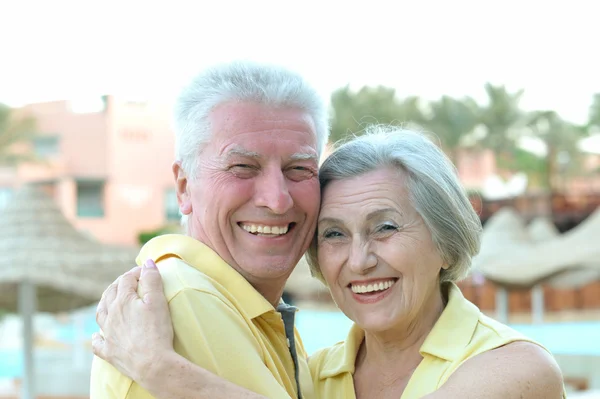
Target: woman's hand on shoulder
<point x="520" y="370"/>
<point x="135" y="324"/>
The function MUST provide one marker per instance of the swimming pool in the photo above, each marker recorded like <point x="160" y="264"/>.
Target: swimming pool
<point x="320" y="329"/>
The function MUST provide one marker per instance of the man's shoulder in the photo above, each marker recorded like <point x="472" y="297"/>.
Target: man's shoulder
<point x="179" y="276"/>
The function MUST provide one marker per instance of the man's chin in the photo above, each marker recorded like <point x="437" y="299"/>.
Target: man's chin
<point x="270" y="266"/>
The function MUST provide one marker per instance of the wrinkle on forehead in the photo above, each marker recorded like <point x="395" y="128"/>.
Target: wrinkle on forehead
<point x="233" y="118"/>
<point x="379" y="189"/>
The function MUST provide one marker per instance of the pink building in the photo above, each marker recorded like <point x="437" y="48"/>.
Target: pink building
<point x="475" y="167"/>
<point x="109" y="170"/>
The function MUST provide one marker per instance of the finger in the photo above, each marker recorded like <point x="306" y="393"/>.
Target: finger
<point x="135" y="272"/>
<point x="127" y="290"/>
<point x="151" y="284"/>
<point x="110" y="293"/>
<point x="101" y="313"/>
<point x="107" y="298"/>
<point x="98" y="345"/>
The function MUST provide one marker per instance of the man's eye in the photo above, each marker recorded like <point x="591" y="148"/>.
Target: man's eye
<point x="243" y="171"/>
<point x="299" y="173"/>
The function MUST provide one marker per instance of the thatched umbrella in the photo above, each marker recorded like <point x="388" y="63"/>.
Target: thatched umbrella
<point x="510" y="256"/>
<point x="515" y="255"/>
<point x="50" y="266"/>
<point x="541" y="229"/>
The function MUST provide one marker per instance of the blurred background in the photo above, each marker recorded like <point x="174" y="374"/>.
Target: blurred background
<point x="511" y="91"/>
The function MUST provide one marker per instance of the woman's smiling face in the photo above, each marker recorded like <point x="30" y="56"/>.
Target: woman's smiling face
<point x="375" y="251"/>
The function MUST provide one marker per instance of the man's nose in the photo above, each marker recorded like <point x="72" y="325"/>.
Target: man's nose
<point x="272" y="192"/>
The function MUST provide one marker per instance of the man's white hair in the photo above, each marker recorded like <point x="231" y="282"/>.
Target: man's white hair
<point x="235" y="82"/>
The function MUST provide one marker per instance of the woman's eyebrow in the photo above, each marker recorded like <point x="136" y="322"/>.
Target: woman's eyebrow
<point x="379" y="212"/>
<point x="330" y="221"/>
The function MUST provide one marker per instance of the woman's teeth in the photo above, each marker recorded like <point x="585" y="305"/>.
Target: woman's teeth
<point x="372" y="287"/>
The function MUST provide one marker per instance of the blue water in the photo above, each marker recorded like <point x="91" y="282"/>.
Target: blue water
<point x="320" y="329"/>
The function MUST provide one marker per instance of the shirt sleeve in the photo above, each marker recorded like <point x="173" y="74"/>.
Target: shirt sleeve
<point x="214" y="335"/>
<point x="107" y="383"/>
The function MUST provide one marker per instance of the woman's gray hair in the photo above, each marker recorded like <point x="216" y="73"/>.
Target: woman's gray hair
<point x="240" y="81"/>
<point x="432" y="184"/>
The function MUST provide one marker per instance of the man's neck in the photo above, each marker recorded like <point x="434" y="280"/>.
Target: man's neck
<point x="271" y="290"/>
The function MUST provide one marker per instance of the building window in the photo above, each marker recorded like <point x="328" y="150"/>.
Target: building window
<point x="90" y="199"/>
<point x="171" y="205"/>
<point x="46" y="146"/>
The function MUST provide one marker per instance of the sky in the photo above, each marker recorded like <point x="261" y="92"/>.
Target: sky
<point x="81" y="49"/>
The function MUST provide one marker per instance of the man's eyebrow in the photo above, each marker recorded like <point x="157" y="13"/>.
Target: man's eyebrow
<point x="304" y="156"/>
<point x="241" y="152"/>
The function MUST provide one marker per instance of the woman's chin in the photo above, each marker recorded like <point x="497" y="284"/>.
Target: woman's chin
<point x="374" y="322"/>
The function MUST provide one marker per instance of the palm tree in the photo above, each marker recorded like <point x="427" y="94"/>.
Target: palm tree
<point x="353" y="111"/>
<point x="14" y="132"/>
<point x="594" y="114"/>
<point x="560" y="138"/>
<point x="452" y="120"/>
<point x="502" y="119"/>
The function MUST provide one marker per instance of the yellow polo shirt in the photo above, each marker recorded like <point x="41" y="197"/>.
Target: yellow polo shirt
<point x="460" y="333"/>
<point x="221" y="323"/>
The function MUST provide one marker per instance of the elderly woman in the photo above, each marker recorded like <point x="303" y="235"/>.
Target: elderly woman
<point x="395" y="233"/>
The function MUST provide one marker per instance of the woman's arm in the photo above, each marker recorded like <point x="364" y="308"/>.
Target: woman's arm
<point x="175" y="377"/>
<point x="520" y="370"/>
<point x="140" y="324"/>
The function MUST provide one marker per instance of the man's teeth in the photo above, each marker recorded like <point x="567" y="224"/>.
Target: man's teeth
<point x="381" y="286"/>
<point x="275" y="230"/>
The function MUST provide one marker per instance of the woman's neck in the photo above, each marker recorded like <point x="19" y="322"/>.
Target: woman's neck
<point x="395" y="353"/>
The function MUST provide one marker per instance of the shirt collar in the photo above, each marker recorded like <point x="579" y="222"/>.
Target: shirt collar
<point x="342" y="358"/>
<point x="204" y="259"/>
<point x="454" y="329"/>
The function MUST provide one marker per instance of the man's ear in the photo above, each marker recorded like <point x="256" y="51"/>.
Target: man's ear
<point x="181" y="184"/>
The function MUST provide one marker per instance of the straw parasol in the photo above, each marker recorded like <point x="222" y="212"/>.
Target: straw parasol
<point x="541" y="229"/>
<point x="509" y="255"/>
<point x="50" y="266"/>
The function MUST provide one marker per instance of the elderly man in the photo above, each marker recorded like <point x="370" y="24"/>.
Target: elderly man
<point x="248" y="141"/>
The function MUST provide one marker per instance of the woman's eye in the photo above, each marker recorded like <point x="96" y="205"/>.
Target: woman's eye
<point x="388" y="227"/>
<point x="332" y="234"/>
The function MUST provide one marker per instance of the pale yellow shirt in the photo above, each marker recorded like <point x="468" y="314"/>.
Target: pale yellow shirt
<point x="460" y="333"/>
<point x="221" y="323"/>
